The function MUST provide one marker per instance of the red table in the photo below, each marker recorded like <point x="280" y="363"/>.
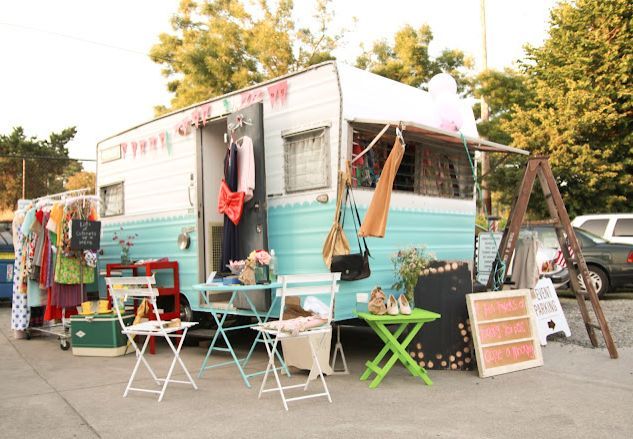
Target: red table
<point x="171" y="293"/>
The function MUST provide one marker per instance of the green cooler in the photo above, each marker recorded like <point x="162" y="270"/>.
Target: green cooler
<point x="99" y="335"/>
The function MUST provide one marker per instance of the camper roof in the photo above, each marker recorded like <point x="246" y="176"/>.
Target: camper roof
<point x="371" y="99"/>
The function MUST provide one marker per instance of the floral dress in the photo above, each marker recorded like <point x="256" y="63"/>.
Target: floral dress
<point x="20" y="311"/>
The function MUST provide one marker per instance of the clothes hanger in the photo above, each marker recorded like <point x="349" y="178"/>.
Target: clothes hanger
<point x="400" y="137"/>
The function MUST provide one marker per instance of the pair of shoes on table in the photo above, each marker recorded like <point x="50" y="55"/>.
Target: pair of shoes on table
<point x="393" y="307"/>
<point x="399" y="306"/>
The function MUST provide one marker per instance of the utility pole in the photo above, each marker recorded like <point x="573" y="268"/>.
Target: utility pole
<point x="23" y="178"/>
<point x="485" y="113"/>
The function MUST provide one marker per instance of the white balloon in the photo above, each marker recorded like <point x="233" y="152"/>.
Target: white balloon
<point x="442" y="83"/>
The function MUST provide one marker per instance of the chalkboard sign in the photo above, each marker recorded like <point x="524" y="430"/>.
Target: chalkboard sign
<point x="85" y="235"/>
<point x="504" y="331"/>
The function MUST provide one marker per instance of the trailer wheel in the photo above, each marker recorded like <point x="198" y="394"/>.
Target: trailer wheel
<point x="64" y="345"/>
<point x="186" y="314"/>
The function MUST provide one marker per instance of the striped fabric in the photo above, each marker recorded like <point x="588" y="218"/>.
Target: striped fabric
<point x="560" y="258"/>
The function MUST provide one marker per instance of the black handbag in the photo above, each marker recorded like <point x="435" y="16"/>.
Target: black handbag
<point x="354" y="266"/>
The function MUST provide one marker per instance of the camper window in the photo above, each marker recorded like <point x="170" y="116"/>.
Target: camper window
<point x="426" y="169"/>
<point x="111" y="199"/>
<point x="307" y="159"/>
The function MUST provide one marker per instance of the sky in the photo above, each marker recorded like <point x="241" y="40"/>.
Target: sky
<point x="49" y="82"/>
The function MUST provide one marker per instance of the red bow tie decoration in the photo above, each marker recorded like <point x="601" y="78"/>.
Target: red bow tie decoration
<point x="230" y="203"/>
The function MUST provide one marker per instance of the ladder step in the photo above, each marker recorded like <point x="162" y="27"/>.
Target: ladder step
<point x="594" y="326"/>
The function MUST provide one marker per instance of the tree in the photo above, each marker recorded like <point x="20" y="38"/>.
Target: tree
<point x="218" y="47"/>
<point x="47" y="164"/>
<point x="407" y="59"/>
<point x="582" y="114"/>
<point x="81" y="180"/>
<point x="504" y="91"/>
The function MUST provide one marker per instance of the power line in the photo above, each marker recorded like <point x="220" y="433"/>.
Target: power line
<point x="84" y="40"/>
<point x="27" y="157"/>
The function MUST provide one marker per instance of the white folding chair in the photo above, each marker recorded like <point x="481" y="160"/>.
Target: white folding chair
<point x="300" y="285"/>
<point x="141" y="287"/>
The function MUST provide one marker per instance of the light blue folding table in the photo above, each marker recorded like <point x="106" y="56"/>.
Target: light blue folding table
<point x="221" y="331"/>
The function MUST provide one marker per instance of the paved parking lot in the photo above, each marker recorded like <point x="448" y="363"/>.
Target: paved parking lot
<point x="49" y="393"/>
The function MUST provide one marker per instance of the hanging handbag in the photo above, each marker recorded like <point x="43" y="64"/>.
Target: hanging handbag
<point x="336" y="242"/>
<point x="354" y="266"/>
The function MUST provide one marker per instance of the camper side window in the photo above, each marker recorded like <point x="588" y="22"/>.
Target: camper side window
<point x="111" y="199"/>
<point x="307" y="160"/>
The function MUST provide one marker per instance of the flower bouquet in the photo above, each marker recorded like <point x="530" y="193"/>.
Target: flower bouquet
<point x="408" y="264"/>
<point x="125" y="244"/>
<point x="256" y="268"/>
<point x="236" y="267"/>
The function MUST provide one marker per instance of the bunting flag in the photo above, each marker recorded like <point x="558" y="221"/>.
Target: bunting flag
<point x="205" y="113"/>
<point x="195" y="117"/>
<point x="278" y="92"/>
<point x="134" y="146"/>
<point x="250" y="97"/>
<point x="168" y="144"/>
<point x="141" y="145"/>
<point x="152" y="143"/>
<point x="123" y="149"/>
<point x="163" y="138"/>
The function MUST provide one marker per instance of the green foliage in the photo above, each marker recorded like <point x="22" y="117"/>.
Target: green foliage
<point x="408" y="263"/>
<point x="407" y="59"/>
<point x="220" y="46"/>
<point x="43" y="175"/>
<point x="581" y="111"/>
<point x="81" y="180"/>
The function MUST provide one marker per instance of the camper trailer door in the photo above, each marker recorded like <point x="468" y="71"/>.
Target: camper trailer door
<point x="248" y="123"/>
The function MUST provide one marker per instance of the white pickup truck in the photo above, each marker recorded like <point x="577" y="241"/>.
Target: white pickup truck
<point x="614" y="227"/>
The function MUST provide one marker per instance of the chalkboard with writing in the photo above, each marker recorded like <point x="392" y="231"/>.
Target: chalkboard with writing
<point x="85" y="235"/>
<point x="504" y="331"/>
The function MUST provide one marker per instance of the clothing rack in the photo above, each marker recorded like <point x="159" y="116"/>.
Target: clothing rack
<point x="61" y="195"/>
<point x="54" y="328"/>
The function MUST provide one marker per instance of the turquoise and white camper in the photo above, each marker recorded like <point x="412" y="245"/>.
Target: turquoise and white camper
<point x="161" y="179"/>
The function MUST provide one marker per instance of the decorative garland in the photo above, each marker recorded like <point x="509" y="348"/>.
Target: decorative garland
<point x="197" y="116"/>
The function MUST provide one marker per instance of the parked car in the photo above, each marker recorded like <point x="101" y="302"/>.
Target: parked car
<point x="614" y="227"/>
<point x="610" y="264"/>
<point x="6" y="261"/>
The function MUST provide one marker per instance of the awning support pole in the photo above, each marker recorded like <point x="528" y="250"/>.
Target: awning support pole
<point x="373" y="142"/>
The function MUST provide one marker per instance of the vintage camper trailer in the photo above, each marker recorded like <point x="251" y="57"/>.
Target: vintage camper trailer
<point x="160" y="179"/>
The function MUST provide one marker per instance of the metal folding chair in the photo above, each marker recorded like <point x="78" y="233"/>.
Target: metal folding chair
<point x="141" y="287"/>
<point x="306" y="285"/>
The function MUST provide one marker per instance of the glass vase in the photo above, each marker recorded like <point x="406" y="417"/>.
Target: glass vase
<point x="261" y="274"/>
<point x="125" y="256"/>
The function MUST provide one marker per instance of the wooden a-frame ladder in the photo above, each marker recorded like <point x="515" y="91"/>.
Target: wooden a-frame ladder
<point x="539" y="166"/>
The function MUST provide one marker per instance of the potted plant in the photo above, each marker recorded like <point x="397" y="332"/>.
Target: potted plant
<point x="125" y="244"/>
<point x="407" y="264"/>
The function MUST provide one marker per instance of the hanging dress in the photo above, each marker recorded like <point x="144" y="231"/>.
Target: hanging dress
<point x="375" y="221"/>
<point x="20" y="311"/>
<point x="230" y="237"/>
<point x="246" y="168"/>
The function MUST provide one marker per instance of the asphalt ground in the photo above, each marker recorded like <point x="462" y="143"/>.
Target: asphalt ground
<point x="49" y="393"/>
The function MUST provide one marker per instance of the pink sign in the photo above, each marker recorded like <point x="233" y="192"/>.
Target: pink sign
<point x="504" y="331"/>
<point x="495" y="356"/>
<point x="500" y="308"/>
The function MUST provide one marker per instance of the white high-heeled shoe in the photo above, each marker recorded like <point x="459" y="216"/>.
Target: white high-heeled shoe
<point x="392" y="306"/>
<point x="403" y="303"/>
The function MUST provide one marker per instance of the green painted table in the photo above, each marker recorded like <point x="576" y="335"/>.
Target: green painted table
<point x="379" y="324"/>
